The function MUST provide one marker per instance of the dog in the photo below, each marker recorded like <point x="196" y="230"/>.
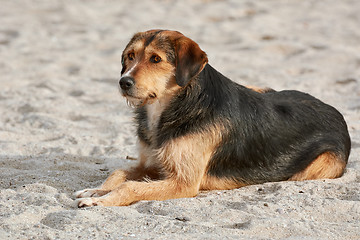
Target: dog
<point x="198" y="130"/>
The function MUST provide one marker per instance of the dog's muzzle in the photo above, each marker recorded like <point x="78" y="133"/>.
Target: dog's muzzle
<point x="126" y="83"/>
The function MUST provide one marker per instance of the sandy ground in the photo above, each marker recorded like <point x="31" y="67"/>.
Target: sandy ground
<point x="65" y="127"/>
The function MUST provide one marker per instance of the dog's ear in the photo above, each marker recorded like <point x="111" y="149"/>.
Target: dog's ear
<point x="190" y="60"/>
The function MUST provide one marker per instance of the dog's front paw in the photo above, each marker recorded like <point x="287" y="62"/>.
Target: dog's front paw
<point x="86" y="193"/>
<point x="88" y="202"/>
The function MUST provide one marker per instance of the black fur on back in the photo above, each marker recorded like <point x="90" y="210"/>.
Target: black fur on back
<point x="269" y="136"/>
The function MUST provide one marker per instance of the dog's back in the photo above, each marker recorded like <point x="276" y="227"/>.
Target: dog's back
<point x="269" y="136"/>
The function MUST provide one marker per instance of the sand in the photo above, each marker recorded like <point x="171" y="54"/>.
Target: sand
<point x="64" y="126"/>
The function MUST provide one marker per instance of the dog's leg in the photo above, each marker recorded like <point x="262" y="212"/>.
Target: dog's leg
<point x="327" y="165"/>
<point x="133" y="191"/>
<point x="114" y="180"/>
<point x="184" y="159"/>
<point x="215" y="183"/>
<point x="117" y="178"/>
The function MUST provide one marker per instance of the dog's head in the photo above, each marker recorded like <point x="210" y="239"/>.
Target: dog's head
<point x="157" y="63"/>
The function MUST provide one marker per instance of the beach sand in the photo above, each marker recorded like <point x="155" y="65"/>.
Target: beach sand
<point x="64" y="126"/>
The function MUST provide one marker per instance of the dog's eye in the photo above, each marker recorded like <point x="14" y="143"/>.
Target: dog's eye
<point x="131" y="56"/>
<point x="155" y="59"/>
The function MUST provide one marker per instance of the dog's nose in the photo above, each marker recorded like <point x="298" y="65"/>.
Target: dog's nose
<point x="126" y="83"/>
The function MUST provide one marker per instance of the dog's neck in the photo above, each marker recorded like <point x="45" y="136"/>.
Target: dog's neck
<point x="154" y="111"/>
<point x="156" y="107"/>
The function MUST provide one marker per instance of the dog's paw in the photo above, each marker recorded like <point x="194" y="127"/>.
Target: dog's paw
<point x="86" y="193"/>
<point x="87" y="202"/>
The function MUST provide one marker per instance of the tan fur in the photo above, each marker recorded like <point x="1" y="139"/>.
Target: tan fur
<point x="257" y="89"/>
<point x="115" y="179"/>
<point x="133" y="191"/>
<point x="186" y="157"/>
<point x="212" y="183"/>
<point x="327" y="165"/>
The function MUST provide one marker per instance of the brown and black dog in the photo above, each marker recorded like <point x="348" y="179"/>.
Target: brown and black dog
<point x="198" y="130"/>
